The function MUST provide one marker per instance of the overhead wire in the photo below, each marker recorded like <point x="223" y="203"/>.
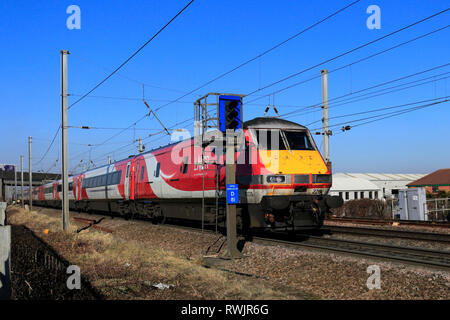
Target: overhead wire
<point x="379" y="109"/>
<point x="259" y="55"/>
<point x="348" y="52"/>
<point x="132" y="56"/>
<point x="384" y="114"/>
<point x="372" y="95"/>
<point x="349" y="64"/>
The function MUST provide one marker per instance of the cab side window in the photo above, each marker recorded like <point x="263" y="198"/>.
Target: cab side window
<point x="158" y="166"/>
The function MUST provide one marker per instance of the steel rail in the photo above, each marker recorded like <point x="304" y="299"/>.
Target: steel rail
<point x="434" y="224"/>
<point x="403" y="234"/>
<point x="424" y="257"/>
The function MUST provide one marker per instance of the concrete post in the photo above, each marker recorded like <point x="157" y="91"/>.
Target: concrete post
<point x="15" y="183"/>
<point x="21" y="181"/>
<point x="30" y="176"/>
<point x="325" y="128"/>
<point x="5" y="264"/>
<point x="64" y="143"/>
<point x="5" y="248"/>
<point x="3" y="213"/>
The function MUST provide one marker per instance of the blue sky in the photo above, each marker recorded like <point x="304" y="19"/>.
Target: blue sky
<point x="209" y="38"/>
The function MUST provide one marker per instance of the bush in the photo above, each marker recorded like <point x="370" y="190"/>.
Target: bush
<point x="439" y="194"/>
<point x="364" y="208"/>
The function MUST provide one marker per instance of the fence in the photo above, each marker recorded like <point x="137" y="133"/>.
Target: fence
<point x="438" y="209"/>
<point x="435" y="209"/>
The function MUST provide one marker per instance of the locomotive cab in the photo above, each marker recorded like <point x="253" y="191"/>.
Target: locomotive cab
<point x="289" y="182"/>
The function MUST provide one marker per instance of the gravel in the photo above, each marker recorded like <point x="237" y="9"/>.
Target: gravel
<point x="323" y="274"/>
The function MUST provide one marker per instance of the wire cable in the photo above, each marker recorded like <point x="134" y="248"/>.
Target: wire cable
<point x="132" y="56"/>
<point x="48" y="149"/>
<point x="259" y="55"/>
<point x="365" y="96"/>
<point x="349" y="51"/>
<point x="384" y="114"/>
<point x="379" y="109"/>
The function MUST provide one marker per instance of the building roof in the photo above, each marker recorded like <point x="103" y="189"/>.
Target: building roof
<point x="382" y="176"/>
<point x="352" y="184"/>
<point x="438" y="177"/>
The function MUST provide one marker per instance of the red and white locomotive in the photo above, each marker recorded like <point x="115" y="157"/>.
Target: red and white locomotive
<point x="282" y="187"/>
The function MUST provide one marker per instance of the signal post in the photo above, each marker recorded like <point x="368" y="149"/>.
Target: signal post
<point x="226" y="116"/>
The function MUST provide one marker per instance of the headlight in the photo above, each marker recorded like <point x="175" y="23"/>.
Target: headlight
<point x="276" y="179"/>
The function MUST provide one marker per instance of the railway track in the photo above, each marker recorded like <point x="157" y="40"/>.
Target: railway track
<point x="410" y="255"/>
<point x="374" y="221"/>
<point x="403" y="234"/>
<point x="417" y="256"/>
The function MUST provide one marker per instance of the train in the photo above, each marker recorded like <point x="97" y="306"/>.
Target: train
<point x="282" y="178"/>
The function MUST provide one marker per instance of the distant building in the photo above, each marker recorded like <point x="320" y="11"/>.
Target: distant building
<point x="434" y="182"/>
<point x="349" y="188"/>
<point x="370" y="185"/>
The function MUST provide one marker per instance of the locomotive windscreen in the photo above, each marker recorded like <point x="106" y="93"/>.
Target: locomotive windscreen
<point x="277" y="140"/>
<point x="298" y="140"/>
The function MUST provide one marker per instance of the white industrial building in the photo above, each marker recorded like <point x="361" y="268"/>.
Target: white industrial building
<point x="352" y="186"/>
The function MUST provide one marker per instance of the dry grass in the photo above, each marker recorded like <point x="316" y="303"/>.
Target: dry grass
<point x="127" y="269"/>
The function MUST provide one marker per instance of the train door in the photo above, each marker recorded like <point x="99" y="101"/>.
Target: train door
<point x="55" y="189"/>
<point x="80" y="181"/>
<point x="132" y="179"/>
<point x="137" y="178"/>
<point x="128" y="184"/>
<point x="154" y="178"/>
<point x="75" y="188"/>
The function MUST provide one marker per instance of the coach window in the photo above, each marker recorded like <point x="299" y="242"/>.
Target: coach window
<point x="71" y="186"/>
<point x="185" y="165"/>
<point x="362" y="194"/>
<point x="346" y="196"/>
<point x="128" y="171"/>
<point x="370" y="194"/>
<point x="340" y="194"/>
<point x="356" y="195"/>
<point x="376" y="194"/>
<point x="116" y="177"/>
<point x="142" y="172"/>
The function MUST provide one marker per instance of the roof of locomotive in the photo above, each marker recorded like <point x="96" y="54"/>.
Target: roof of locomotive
<point x="272" y="122"/>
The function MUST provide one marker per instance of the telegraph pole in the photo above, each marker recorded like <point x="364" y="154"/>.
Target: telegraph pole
<point x="30" y="174"/>
<point x="326" y="132"/>
<point x="64" y="142"/>
<point x="15" y="183"/>
<point x="21" y="178"/>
